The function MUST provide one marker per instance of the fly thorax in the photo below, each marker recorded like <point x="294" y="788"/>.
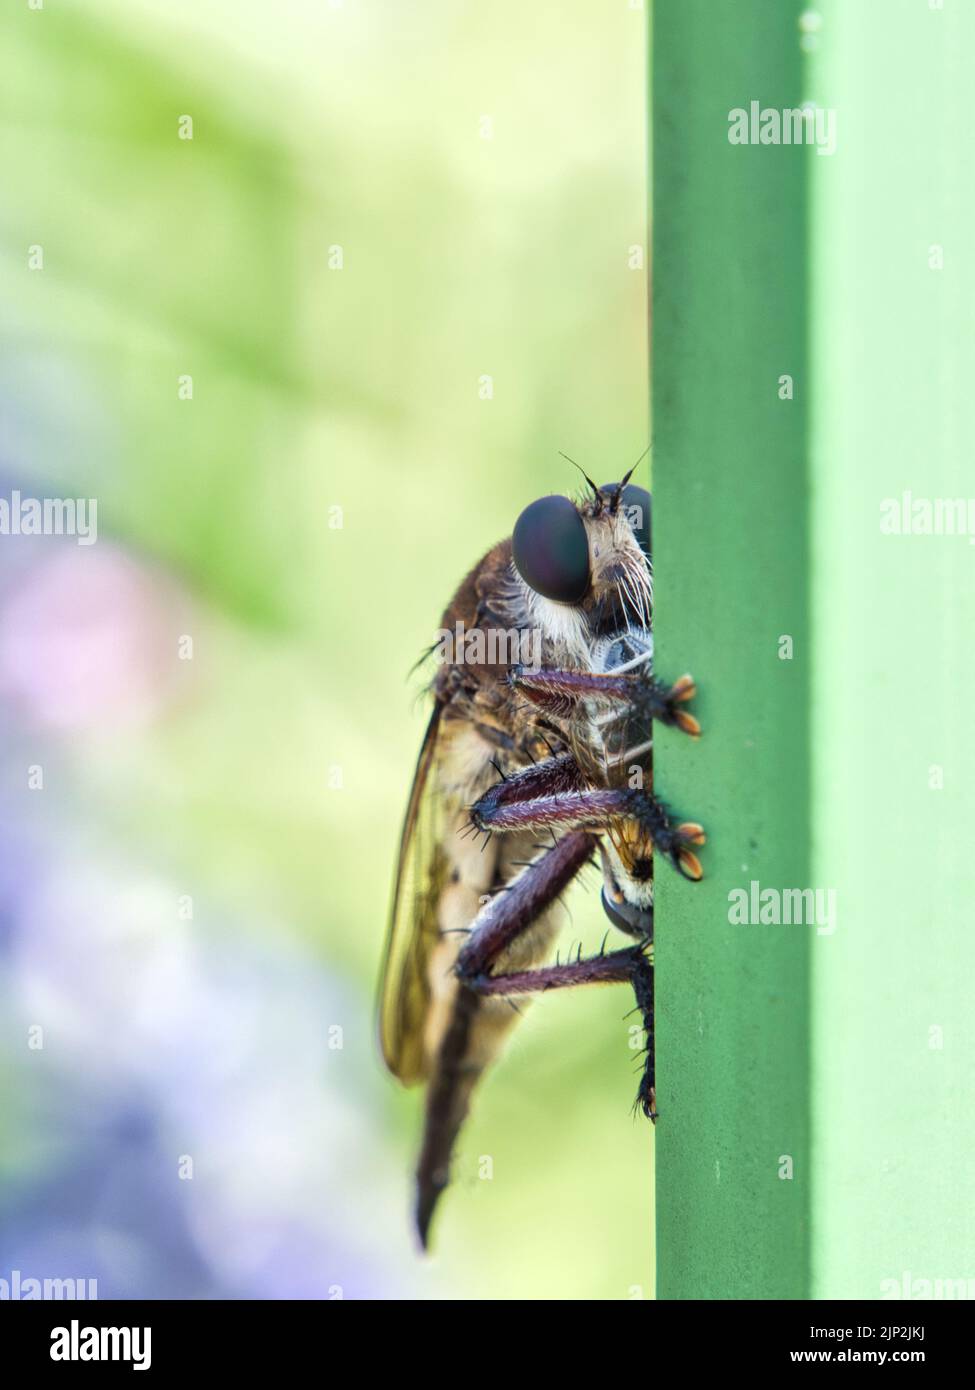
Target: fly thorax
<point x="629" y="650"/>
<point x="620" y="735"/>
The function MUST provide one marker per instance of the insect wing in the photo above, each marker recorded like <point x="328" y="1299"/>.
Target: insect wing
<point x="413" y="927"/>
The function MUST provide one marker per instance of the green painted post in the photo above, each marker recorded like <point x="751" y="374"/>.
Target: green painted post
<point x="731" y="554"/>
<point x="817" y="1134"/>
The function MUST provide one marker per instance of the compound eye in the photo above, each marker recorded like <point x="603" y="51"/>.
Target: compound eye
<point x="636" y="504"/>
<point x="551" y="550"/>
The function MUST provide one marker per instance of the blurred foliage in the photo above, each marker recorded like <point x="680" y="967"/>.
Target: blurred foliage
<point x="356" y="126"/>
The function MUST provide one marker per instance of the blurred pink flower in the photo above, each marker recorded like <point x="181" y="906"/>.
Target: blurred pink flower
<point x="90" y="637"/>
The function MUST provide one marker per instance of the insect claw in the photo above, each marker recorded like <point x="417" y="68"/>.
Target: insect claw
<point x="648" y="1104"/>
<point x="684" y="688"/>
<point x="692" y="832"/>
<point x="687" y="723"/>
<point x="689" y="865"/>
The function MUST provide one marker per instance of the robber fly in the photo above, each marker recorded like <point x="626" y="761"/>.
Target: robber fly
<point x="529" y="770"/>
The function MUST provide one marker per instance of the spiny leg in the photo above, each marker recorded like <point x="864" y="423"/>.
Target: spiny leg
<point x="596" y="807"/>
<point x="559" y="692"/>
<point x="506" y="916"/>
<point x="631" y="965"/>
<point x="551" y="777"/>
<point x="512" y="912"/>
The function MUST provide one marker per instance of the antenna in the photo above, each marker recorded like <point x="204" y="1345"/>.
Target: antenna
<point x="595" y="489"/>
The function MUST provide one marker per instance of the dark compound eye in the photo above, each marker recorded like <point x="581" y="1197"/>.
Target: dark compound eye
<point x="637" y="505"/>
<point x="551" y="550"/>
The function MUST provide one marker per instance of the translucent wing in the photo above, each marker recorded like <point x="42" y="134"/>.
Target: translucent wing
<point x="413" y="929"/>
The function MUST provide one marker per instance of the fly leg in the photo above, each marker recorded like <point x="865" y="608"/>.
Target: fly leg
<point x="574" y="807"/>
<point x="510" y="913"/>
<point x="665" y="703"/>
<point x="558" y="693"/>
<point x="506" y="917"/>
<point x="631" y="965"/>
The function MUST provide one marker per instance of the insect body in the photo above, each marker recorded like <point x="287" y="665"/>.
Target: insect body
<point x="530" y="770"/>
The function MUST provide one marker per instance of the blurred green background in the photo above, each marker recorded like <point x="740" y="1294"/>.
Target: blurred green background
<point x="380" y="207"/>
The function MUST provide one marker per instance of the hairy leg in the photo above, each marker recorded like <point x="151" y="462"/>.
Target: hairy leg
<point x="631" y="965"/>
<point x="558" y="693"/>
<point x="507" y="916"/>
<point x="500" y="810"/>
